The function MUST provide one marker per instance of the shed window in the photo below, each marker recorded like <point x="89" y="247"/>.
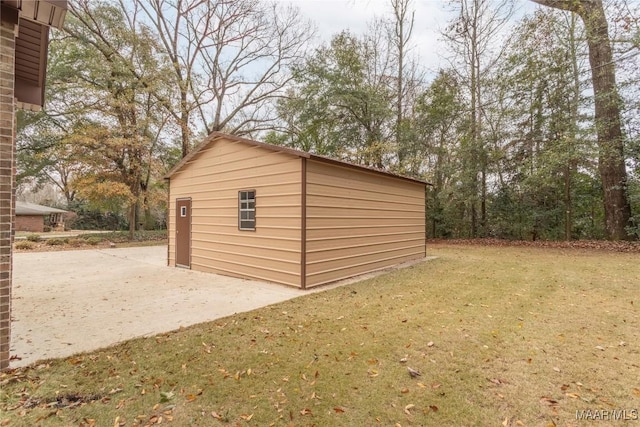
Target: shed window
<point x="247" y="210"/>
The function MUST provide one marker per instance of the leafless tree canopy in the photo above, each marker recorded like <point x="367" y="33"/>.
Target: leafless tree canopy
<point x="230" y="60"/>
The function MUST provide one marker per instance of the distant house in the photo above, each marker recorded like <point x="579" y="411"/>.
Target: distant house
<point x="248" y="209"/>
<point x="32" y="217"/>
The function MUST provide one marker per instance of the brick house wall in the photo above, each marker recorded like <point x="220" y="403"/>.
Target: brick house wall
<point x="7" y="187"/>
<point x="33" y="223"/>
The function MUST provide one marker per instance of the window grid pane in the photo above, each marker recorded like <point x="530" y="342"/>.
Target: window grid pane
<point x="247" y="210"/>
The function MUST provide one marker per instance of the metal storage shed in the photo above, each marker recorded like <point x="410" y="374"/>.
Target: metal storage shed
<point x="248" y="209"/>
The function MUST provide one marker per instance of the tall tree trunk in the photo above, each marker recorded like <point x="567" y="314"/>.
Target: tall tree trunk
<point x="617" y="210"/>
<point x="474" y="137"/>
<point x="573" y="134"/>
<point x="184" y="124"/>
<point x="132" y="220"/>
<point x="568" y="213"/>
<point x="610" y="138"/>
<point x="403" y="28"/>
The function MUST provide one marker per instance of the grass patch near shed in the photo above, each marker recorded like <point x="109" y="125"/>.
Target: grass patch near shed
<point x="501" y="336"/>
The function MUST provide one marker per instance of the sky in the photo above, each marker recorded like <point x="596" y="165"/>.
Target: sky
<point x="431" y="17"/>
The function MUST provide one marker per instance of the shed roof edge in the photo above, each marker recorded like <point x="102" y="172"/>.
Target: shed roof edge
<point x="214" y="136"/>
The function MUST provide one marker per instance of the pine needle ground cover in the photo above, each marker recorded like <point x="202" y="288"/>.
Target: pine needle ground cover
<point x="509" y="336"/>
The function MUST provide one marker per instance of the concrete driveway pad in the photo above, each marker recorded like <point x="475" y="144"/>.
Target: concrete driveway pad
<point x="67" y="302"/>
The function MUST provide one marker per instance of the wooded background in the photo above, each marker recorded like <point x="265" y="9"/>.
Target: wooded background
<point x="531" y="130"/>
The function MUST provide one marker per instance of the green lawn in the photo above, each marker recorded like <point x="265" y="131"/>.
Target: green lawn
<point x="502" y="336"/>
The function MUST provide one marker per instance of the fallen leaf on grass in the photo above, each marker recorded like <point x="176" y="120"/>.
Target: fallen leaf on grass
<point x="599" y="347"/>
<point x="548" y="401"/>
<point x="404" y="390"/>
<point x="572" y="395"/>
<point x="166" y="396"/>
<point x="47" y="415"/>
<point x="246" y="417"/>
<point x="338" y="410"/>
<point x="373" y="373"/>
<point x="190" y="397"/>
<point x="306" y="411"/>
<point x="434" y="408"/>
<point x="430" y="344"/>
<point x="408" y="408"/>
<point x="555" y="368"/>
<point x="413" y="372"/>
<point x="636" y="391"/>
<point x="5" y="422"/>
<point x="497" y="381"/>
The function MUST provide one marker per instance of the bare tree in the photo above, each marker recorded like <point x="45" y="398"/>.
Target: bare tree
<point x="473" y="36"/>
<point x="607" y="113"/>
<point x="230" y="60"/>
<point x="402" y="29"/>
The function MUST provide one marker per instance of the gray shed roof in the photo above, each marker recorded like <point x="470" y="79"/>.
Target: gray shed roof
<point x="25" y="208"/>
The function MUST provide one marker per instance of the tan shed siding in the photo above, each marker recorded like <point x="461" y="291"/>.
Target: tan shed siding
<point x="212" y="179"/>
<point x="359" y="221"/>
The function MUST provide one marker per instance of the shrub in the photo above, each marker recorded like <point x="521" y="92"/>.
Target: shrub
<point x="55" y="242"/>
<point x="25" y="244"/>
<point x="46" y="228"/>
<point x="93" y="240"/>
<point x="76" y="242"/>
<point x="33" y="237"/>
